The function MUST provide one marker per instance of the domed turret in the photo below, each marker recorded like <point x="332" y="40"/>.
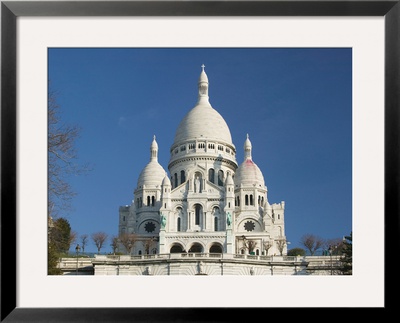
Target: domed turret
<point x="248" y="172"/>
<point x="153" y="174"/>
<point x="166" y="181"/>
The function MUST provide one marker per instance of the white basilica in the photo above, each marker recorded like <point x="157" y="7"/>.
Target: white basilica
<point x="206" y="202"/>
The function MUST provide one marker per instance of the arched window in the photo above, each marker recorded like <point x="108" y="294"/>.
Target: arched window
<point x="175" y="180"/>
<point x="220" y="178"/>
<point x="215" y="223"/>
<point x="211" y="175"/>
<point x="176" y="249"/>
<point x="197" y="214"/>
<point x="178" y="224"/>
<point x="246" y="200"/>
<point x="148" y="201"/>
<point x="238" y="201"/>
<point x="152" y="200"/>
<point x="251" y="199"/>
<point x="183" y="178"/>
<point x="216" y="249"/>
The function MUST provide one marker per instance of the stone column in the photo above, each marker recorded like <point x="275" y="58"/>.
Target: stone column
<point x="229" y="241"/>
<point x="162" y="246"/>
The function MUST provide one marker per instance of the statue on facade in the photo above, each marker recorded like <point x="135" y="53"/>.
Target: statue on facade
<point x="228" y="219"/>
<point x="197" y="185"/>
<point x="163" y="221"/>
<point x="200" y="267"/>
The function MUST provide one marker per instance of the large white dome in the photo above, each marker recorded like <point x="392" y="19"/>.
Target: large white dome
<point x="203" y="121"/>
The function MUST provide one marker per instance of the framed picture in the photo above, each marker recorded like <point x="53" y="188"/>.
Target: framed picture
<point x="100" y="21"/>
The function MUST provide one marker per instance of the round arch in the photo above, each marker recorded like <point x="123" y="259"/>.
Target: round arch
<point x="216" y="248"/>
<point x="177" y="248"/>
<point x="196" y="247"/>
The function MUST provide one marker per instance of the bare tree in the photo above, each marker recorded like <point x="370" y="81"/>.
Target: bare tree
<point x="72" y="237"/>
<point x="281" y="244"/>
<point x="336" y="245"/>
<point x="62" y="158"/>
<point x="267" y="245"/>
<point x="312" y="243"/>
<point x="148" y="245"/>
<point x="84" y="241"/>
<point x="99" y="238"/>
<point x="250" y="245"/>
<point x="128" y="240"/>
<point x="114" y="244"/>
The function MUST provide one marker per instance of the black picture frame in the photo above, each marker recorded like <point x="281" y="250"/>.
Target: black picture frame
<point x="11" y="10"/>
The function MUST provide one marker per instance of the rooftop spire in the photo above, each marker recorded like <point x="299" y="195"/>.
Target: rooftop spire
<point x="203" y="85"/>
<point x="153" y="149"/>
<point x="247" y="148"/>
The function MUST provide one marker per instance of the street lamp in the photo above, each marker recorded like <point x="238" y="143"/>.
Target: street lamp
<point x="77" y="249"/>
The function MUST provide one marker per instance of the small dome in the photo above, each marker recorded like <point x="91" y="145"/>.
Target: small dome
<point x="153" y="174"/>
<point x="166" y="181"/>
<point x="229" y="180"/>
<point x="248" y="173"/>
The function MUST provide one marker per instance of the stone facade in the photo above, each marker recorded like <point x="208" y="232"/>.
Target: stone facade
<point x="208" y="203"/>
<point x="201" y="264"/>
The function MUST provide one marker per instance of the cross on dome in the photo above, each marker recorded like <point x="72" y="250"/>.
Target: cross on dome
<point x="203" y="85"/>
<point x="154" y="149"/>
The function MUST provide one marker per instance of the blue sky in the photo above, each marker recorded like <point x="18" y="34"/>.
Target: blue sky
<point x="295" y="104"/>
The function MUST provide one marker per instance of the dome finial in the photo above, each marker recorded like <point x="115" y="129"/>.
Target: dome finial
<point x="247" y="148"/>
<point x="154" y="149"/>
<point x="203" y="85"/>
